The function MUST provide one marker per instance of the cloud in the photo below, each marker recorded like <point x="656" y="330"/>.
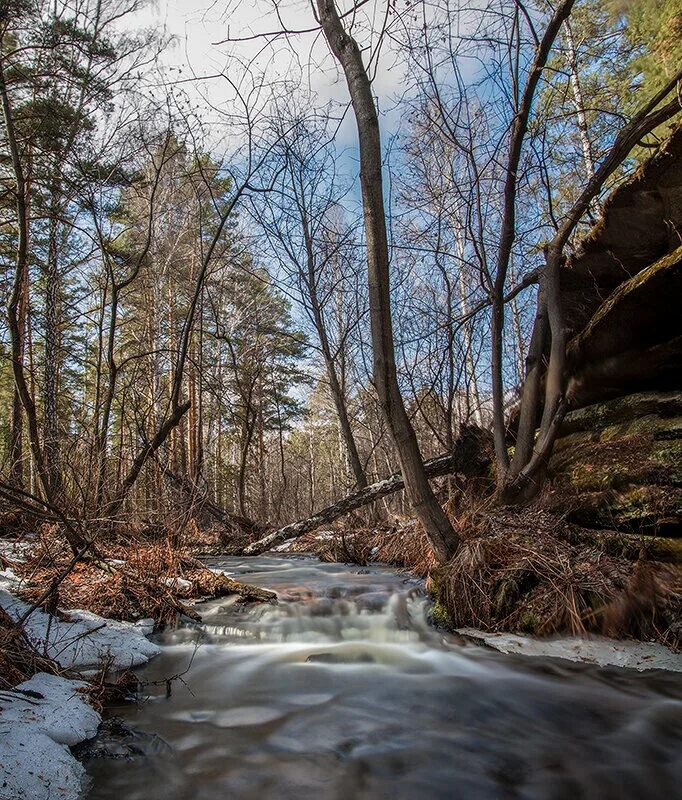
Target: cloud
<point x="215" y="45"/>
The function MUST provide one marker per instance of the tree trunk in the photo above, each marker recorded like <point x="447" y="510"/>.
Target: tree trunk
<point x="17" y="442"/>
<point x="247" y="430"/>
<point x="441" y="534"/>
<point x="148" y="451"/>
<point x="579" y="103"/>
<point x="337" y="393"/>
<point x="508" y="229"/>
<point x="529" y="476"/>
<point x="76" y="542"/>
<point x="51" y="377"/>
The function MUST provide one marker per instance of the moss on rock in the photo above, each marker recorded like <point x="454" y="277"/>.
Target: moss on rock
<point x="438" y="613"/>
<point x="619" y="464"/>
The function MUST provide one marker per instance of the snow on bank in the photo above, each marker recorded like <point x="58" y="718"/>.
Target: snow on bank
<point x="16" y="549"/>
<point x="179" y="584"/>
<point x="86" y="640"/>
<point x="284" y="547"/>
<point x="45" y="715"/>
<point x="596" y="650"/>
<point x="39" y="721"/>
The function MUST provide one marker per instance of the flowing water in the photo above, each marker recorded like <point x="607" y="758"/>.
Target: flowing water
<point x="343" y="691"/>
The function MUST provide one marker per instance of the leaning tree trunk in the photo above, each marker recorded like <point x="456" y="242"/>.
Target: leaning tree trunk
<point x="442" y="536"/>
<point x="469" y="457"/>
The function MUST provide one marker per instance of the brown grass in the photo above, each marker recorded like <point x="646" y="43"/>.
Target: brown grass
<point x="18" y="658"/>
<point x="404" y="546"/>
<point x="530" y="571"/>
<point x="135" y="589"/>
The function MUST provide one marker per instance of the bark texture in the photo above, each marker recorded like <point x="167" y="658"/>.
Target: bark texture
<point x="441" y="534"/>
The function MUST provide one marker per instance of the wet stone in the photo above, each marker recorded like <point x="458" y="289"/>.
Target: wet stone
<point x="116" y="739"/>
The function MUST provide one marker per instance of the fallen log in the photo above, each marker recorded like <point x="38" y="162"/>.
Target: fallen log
<point x="470" y="457"/>
<point x="246" y="592"/>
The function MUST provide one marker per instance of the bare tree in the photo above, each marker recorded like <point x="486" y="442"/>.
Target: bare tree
<point x="441" y="534"/>
<point x="316" y="248"/>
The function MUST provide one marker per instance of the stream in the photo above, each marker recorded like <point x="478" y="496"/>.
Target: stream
<point x="343" y="691"/>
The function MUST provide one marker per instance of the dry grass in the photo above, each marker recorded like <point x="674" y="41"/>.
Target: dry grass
<point x="403" y="545"/>
<point x="142" y="578"/>
<point x="407" y="547"/>
<point x="18" y="658"/>
<point x="530" y="571"/>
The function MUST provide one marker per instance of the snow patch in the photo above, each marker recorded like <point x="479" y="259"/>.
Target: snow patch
<point x="180" y="584"/>
<point x="8" y="579"/>
<point x="598" y="650"/>
<point x="61" y="712"/>
<point x="284" y="547"/>
<point x="44" y="716"/>
<point x="85" y="640"/>
<point x="145" y="625"/>
<point x="39" y="721"/>
<point x="16" y="550"/>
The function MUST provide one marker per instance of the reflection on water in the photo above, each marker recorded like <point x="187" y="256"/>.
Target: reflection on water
<point x="344" y="691"/>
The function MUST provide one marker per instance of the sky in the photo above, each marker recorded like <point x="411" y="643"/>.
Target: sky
<point x="200" y="58"/>
<point x="199" y="55"/>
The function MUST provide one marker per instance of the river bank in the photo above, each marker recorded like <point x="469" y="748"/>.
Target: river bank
<point x="356" y="609"/>
<point x="43" y="717"/>
<point x="529" y="572"/>
<point x="59" y="664"/>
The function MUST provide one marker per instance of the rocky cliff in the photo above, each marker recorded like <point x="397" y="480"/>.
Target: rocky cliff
<point x="618" y="462"/>
<point x="621" y="290"/>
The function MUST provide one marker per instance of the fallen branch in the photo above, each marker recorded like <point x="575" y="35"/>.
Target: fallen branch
<point x="470" y="457"/>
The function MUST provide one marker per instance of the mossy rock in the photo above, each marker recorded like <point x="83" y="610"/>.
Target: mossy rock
<point x="632" y="408"/>
<point x="619" y="465"/>
<point x="439" y="616"/>
<point x="438" y="613"/>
